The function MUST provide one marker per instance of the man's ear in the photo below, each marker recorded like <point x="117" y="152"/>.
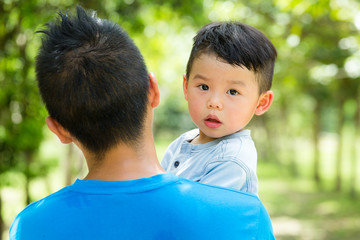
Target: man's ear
<point x="63" y="135"/>
<point x="264" y="103"/>
<point x="154" y="93"/>
<point x="185" y="86"/>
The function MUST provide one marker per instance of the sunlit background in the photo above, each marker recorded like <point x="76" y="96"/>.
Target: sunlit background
<point x="308" y="142"/>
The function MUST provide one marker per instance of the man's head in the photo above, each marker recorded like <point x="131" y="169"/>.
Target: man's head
<point x="93" y="80"/>
<point x="239" y="45"/>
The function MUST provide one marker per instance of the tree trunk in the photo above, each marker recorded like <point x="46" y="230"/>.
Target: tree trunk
<point x="2" y="224"/>
<point x="316" y="142"/>
<point x="289" y="141"/>
<point x="28" y="159"/>
<point x="268" y="144"/>
<point x="355" y="151"/>
<point x="338" y="163"/>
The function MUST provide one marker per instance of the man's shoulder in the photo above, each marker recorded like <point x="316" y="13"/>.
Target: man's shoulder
<point x="45" y="203"/>
<point x="240" y="213"/>
<point x="218" y="193"/>
<point x="35" y="211"/>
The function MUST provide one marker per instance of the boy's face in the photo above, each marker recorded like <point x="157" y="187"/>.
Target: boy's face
<point x="222" y="98"/>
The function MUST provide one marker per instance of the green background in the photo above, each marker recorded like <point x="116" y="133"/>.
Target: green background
<point x="308" y="142"/>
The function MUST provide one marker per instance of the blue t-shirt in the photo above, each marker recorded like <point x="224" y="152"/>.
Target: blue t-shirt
<point x="160" y="207"/>
<point x="229" y="161"/>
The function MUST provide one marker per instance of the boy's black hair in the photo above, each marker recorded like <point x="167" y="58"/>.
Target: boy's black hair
<point x="238" y="44"/>
<point x="93" y="80"/>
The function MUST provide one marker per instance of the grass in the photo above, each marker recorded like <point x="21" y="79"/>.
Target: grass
<point x="301" y="211"/>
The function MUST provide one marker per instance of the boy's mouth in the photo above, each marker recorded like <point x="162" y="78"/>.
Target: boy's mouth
<point x="212" y="121"/>
<point x="212" y="118"/>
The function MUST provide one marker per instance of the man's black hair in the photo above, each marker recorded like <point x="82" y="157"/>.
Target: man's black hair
<point x="93" y="80"/>
<point x="239" y="45"/>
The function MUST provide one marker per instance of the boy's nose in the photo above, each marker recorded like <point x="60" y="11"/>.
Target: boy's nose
<point x="215" y="103"/>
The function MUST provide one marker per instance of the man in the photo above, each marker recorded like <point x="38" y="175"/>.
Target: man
<point x="99" y="96"/>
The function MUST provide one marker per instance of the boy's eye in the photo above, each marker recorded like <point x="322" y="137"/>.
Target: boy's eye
<point x="232" y="92"/>
<point x="204" y="87"/>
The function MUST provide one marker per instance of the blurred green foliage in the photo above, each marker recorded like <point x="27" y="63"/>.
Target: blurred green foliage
<point x="314" y="120"/>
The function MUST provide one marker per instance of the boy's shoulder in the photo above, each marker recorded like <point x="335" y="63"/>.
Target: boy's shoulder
<point x="187" y="136"/>
<point x="242" y="137"/>
<point x="239" y="146"/>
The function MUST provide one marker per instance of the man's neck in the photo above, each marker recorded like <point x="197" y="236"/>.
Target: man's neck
<point x="124" y="163"/>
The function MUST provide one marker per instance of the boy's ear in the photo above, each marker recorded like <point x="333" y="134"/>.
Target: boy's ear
<point x="154" y="93"/>
<point x="185" y="86"/>
<point x="264" y="103"/>
<point x="63" y="135"/>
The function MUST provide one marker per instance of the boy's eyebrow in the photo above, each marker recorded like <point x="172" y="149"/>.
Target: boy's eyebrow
<point x="200" y="76"/>
<point x="239" y="82"/>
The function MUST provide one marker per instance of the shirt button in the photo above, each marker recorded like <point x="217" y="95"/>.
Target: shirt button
<point x="176" y="164"/>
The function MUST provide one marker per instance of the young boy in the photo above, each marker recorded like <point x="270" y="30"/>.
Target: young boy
<point x="227" y="81"/>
